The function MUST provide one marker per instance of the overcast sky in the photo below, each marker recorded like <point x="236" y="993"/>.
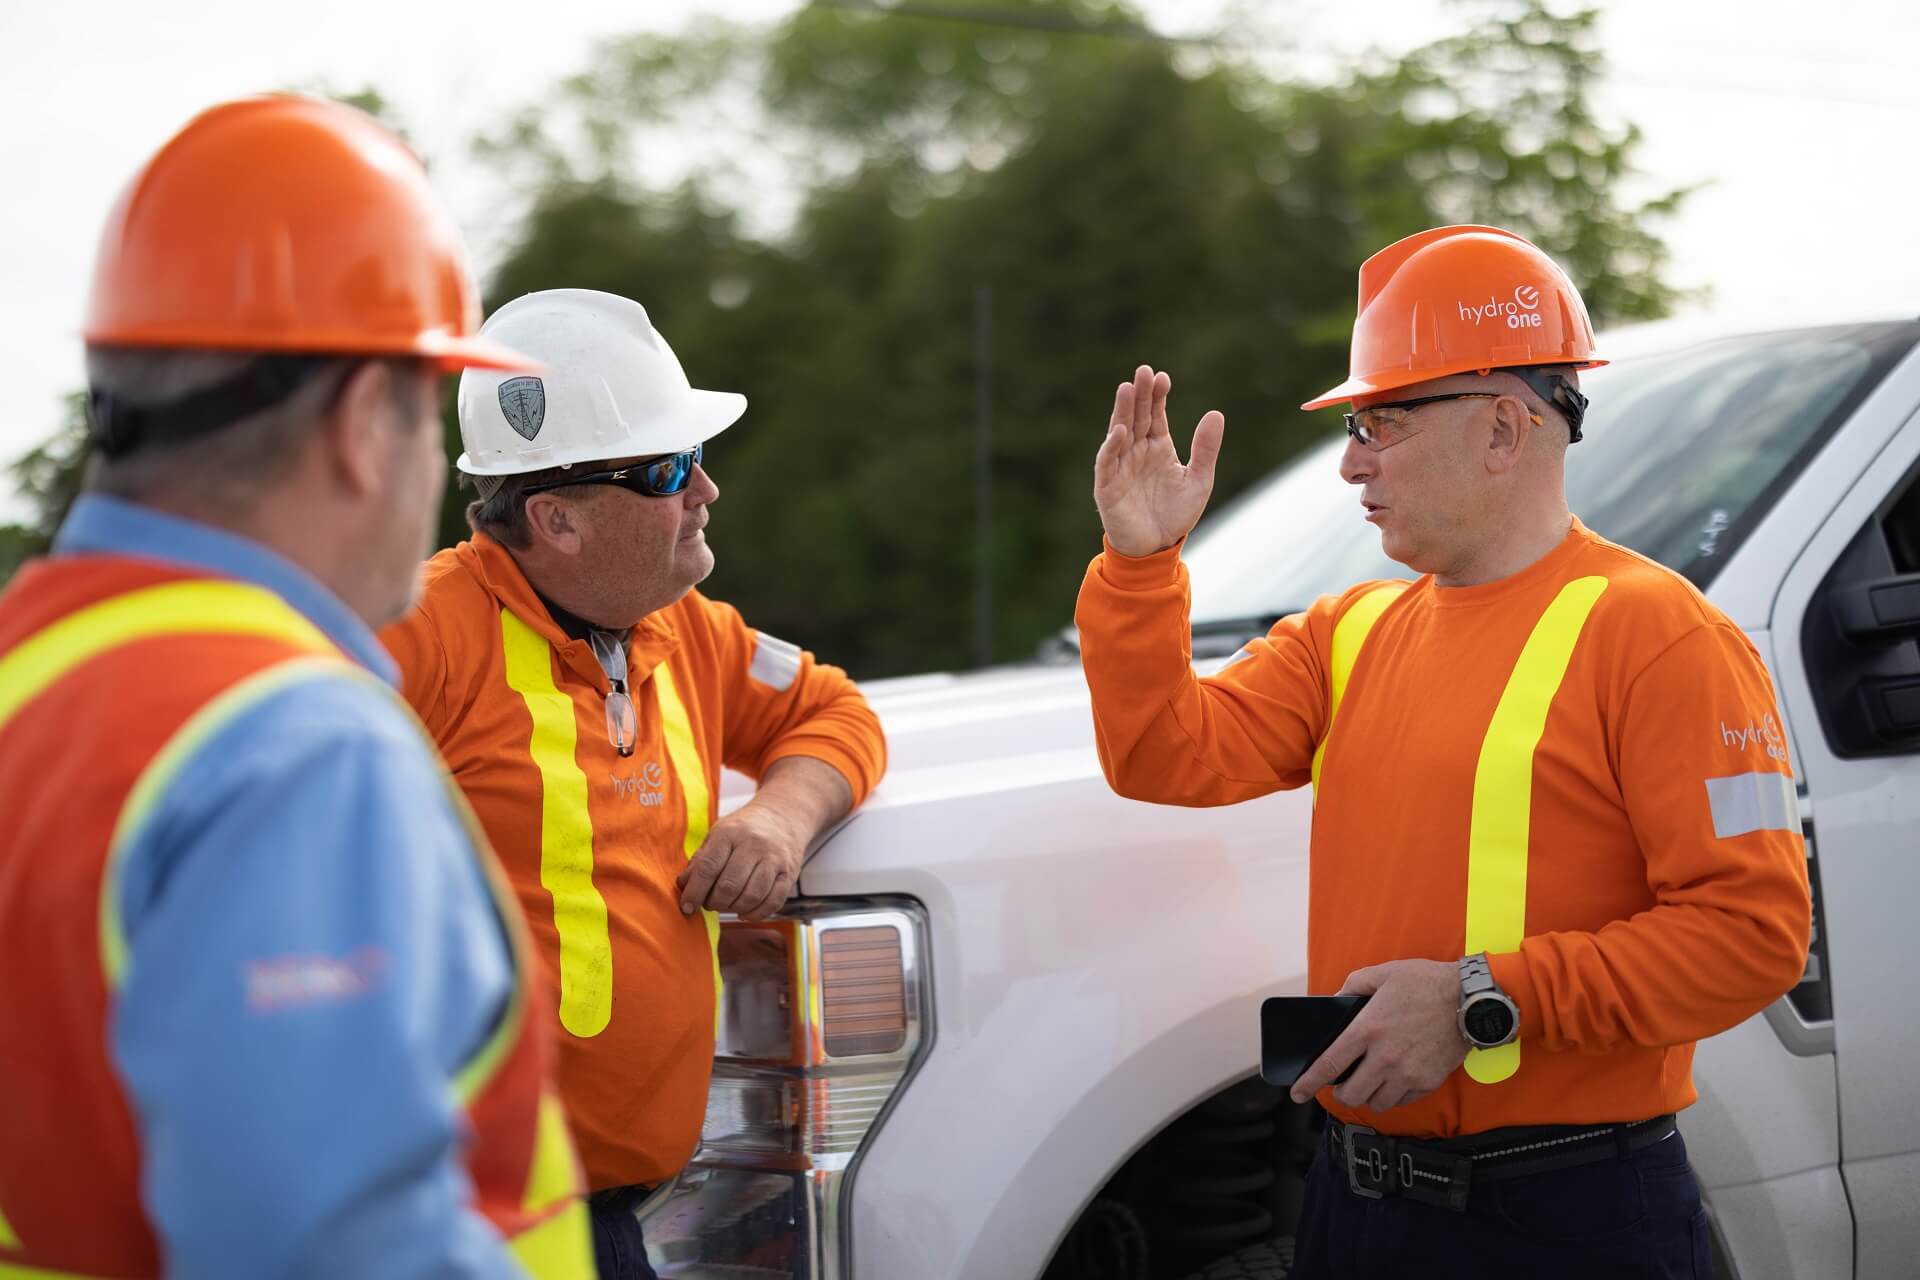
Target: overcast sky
<point x="1804" y="128"/>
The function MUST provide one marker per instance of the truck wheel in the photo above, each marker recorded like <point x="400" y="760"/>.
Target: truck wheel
<point x="1268" y="1260"/>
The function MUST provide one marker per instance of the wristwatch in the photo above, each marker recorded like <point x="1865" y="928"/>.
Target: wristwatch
<point x="1488" y="1018"/>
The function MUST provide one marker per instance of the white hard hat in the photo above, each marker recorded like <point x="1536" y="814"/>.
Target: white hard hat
<point x="611" y="388"/>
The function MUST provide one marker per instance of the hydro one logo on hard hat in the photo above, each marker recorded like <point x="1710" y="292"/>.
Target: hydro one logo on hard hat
<point x="1521" y="313"/>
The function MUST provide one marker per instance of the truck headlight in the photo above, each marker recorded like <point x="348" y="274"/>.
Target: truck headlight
<point x="823" y="1019"/>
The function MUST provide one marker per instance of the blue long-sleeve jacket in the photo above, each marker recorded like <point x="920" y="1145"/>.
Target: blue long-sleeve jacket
<point x="312" y="956"/>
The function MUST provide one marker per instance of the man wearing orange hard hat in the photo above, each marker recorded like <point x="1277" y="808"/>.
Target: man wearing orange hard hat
<point x="1532" y="847"/>
<point x="266" y="1006"/>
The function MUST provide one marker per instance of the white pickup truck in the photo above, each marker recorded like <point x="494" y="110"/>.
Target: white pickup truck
<point x="1009" y="1030"/>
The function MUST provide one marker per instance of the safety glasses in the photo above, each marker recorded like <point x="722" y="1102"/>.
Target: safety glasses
<point x="1382" y="426"/>
<point x="623" y="723"/>
<point x="660" y="477"/>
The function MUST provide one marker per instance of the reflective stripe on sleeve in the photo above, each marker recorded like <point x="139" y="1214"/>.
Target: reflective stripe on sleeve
<point x="1748" y="802"/>
<point x="776" y="663"/>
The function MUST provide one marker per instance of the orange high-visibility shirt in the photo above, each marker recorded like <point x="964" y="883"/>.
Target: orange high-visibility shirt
<point x="1578" y="769"/>
<point x="593" y="840"/>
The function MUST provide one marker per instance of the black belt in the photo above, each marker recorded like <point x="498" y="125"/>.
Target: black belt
<point x="1443" y="1170"/>
<point x="619" y="1199"/>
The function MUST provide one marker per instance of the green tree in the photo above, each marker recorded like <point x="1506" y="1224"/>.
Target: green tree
<point x="863" y="174"/>
<point x="1124" y="199"/>
<point x="47" y="480"/>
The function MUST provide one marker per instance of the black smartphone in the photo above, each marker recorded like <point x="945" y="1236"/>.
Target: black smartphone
<point x="1296" y="1030"/>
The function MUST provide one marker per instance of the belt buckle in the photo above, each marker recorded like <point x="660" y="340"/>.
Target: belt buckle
<point x="1376" y="1157"/>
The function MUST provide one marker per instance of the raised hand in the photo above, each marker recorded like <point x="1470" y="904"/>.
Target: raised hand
<point x="1148" y="501"/>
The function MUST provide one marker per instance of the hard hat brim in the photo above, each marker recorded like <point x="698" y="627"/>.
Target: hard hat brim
<point x="447" y="353"/>
<point x="1373" y="384"/>
<point x="1346" y="391"/>
<point x="475" y="352"/>
<point x="706" y="414"/>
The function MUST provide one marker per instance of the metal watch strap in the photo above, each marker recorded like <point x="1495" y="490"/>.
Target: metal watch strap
<point x="1476" y="983"/>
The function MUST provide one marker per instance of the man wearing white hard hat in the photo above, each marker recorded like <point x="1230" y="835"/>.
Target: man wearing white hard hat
<point x="586" y="697"/>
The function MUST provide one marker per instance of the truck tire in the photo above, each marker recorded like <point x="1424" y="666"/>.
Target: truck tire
<point x="1268" y="1260"/>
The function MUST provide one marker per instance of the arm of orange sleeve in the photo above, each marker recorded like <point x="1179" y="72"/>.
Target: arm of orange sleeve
<point x="1164" y="734"/>
<point x="1716" y="817"/>
<point x="782" y="701"/>
<point x="415" y="645"/>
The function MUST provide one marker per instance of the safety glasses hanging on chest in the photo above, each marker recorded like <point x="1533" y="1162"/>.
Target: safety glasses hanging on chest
<point x="660" y="477"/>
<point x="623" y="723"/>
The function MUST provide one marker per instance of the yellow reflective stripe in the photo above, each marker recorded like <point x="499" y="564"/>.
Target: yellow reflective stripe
<point x="1503" y="795"/>
<point x="558" y="1248"/>
<point x="566" y="834"/>
<point x="178" y="608"/>
<point x="160" y="771"/>
<point x="186" y="608"/>
<point x="693" y="785"/>
<point x="12" y="1271"/>
<point x="550" y="1177"/>
<point x="1348" y="635"/>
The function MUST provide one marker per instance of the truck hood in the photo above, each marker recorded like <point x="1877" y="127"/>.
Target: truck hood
<point x="992" y="774"/>
<point x="944" y="720"/>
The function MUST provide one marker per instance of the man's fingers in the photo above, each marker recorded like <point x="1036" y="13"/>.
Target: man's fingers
<point x="1157" y="409"/>
<point x="1363" y="982"/>
<point x="1328" y="1066"/>
<point x="778" y="889"/>
<point x="753" y="891"/>
<point x="732" y="881"/>
<point x="1368" y="1088"/>
<point x="1206" y="446"/>
<point x="782" y="890"/>
<point x="1142" y="416"/>
<point x="1122" y="407"/>
<point x="697" y="881"/>
<point x="1111" y="449"/>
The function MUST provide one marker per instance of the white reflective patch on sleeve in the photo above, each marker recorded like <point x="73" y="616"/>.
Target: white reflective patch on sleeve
<point x="1240" y="655"/>
<point x="775" y="662"/>
<point x="1752" y="802"/>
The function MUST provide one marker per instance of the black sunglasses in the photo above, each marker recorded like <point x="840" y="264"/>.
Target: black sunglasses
<point x="660" y="477"/>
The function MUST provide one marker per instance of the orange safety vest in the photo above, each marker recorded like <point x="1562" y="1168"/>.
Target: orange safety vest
<point x="112" y="671"/>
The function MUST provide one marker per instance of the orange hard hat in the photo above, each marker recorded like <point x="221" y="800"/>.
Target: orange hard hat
<point x="1460" y="300"/>
<point x="284" y="223"/>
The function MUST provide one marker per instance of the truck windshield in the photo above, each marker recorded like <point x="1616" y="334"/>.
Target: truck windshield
<point x="1685" y="451"/>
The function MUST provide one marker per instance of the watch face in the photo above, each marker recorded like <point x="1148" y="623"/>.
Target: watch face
<point x="1488" y="1021"/>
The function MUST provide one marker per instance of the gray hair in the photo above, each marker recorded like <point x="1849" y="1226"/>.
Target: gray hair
<point x="500" y="511"/>
<point x="225" y="469"/>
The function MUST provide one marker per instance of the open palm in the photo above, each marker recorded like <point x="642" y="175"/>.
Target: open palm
<point x="1148" y="501"/>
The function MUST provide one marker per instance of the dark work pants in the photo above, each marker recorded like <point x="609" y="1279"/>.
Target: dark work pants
<point x="618" y="1251"/>
<point x="1611" y="1219"/>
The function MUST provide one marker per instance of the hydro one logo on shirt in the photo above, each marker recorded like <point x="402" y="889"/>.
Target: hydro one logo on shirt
<point x="1522" y="312"/>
